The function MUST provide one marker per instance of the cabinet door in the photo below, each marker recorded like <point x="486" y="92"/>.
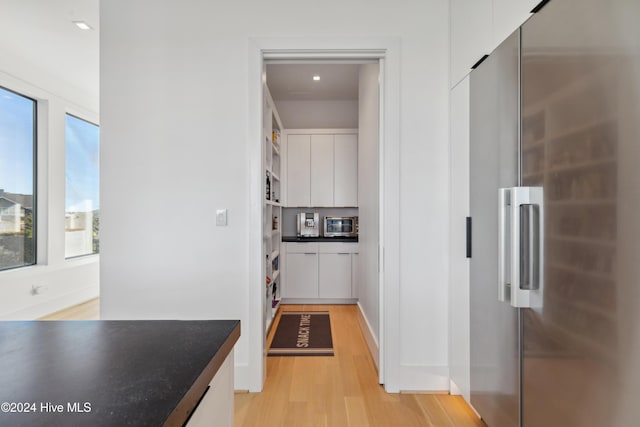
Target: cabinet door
<point x="302" y="275"/>
<point x="345" y="186"/>
<point x="493" y="151"/>
<point x="215" y="408"/>
<point x="321" y="170"/>
<point x="298" y="170"/>
<point x="508" y="15"/>
<point x="335" y="275"/>
<point x="458" y="262"/>
<point x="355" y="276"/>
<point x="470" y="35"/>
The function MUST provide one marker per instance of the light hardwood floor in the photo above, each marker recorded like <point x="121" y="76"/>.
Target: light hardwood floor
<point x="328" y="391"/>
<point x="341" y="390"/>
<point x="89" y="310"/>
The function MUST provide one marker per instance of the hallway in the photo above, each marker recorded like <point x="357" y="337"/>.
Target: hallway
<point x="341" y="390"/>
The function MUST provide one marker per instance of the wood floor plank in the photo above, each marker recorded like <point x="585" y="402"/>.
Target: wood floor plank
<point x="433" y="410"/>
<point x="461" y="414"/>
<point x="303" y="379"/>
<point x="298" y="414"/>
<point x="356" y="412"/>
<point x="242" y="401"/>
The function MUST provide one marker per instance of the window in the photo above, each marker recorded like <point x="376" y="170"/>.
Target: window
<point x="82" y="204"/>
<point x="17" y="180"/>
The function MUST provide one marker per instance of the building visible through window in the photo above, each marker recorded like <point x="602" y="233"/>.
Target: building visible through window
<point x="17" y="183"/>
<point x="82" y="205"/>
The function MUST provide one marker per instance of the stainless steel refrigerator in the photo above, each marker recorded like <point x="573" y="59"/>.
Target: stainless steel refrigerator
<point x="555" y="210"/>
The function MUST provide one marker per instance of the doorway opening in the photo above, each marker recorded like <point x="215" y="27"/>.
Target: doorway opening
<point x="292" y="106"/>
<point x="321" y="160"/>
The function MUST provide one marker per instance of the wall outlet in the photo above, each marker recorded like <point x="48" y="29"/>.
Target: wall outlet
<point x="38" y="289"/>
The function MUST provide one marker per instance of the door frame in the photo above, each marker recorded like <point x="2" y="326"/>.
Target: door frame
<point x="387" y="52"/>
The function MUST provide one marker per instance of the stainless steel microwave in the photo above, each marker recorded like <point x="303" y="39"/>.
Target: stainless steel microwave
<point x="340" y="226"/>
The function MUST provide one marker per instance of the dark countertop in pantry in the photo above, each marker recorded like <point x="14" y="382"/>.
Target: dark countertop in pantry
<point x="131" y="373"/>
<point x="319" y="239"/>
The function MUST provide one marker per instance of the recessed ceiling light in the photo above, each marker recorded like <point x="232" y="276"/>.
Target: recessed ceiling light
<point x="82" y="25"/>
<point x="316" y="78"/>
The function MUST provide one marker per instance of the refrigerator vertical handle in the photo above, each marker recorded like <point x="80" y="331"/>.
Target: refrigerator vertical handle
<point x="503" y="244"/>
<point x="527" y="247"/>
<point x="529" y="242"/>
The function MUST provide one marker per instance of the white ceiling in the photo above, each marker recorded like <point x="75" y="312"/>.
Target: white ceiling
<point x="41" y="33"/>
<point x="294" y="82"/>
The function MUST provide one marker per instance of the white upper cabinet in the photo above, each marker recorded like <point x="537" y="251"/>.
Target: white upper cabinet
<point x="479" y="26"/>
<point x="299" y="170"/>
<point x="345" y="186"/>
<point x="470" y="35"/>
<point x="322" y="170"/>
<point x="508" y="15"/>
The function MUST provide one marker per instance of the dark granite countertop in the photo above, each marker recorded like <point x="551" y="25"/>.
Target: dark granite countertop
<point x="119" y="373"/>
<point x="319" y="239"/>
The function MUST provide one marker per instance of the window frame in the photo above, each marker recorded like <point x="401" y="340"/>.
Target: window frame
<point x="34" y="172"/>
<point x="78" y="117"/>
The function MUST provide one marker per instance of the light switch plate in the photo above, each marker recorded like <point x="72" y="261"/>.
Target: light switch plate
<point x="221" y="217"/>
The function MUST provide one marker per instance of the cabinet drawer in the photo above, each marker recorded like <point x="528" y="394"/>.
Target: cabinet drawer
<point x="338" y="247"/>
<point x="302" y="248"/>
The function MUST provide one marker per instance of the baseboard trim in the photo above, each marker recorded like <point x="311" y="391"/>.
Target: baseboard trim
<point x="54" y="304"/>
<point x="322" y="301"/>
<point x="424" y="392"/>
<point x="369" y="337"/>
<point x="241" y="379"/>
<point x="423" y="378"/>
<point x="455" y="390"/>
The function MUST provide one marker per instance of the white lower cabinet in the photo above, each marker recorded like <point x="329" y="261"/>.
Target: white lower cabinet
<point x="215" y="409"/>
<point x="302" y="275"/>
<point x="335" y="275"/>
<point x="354" y="275"/>
<point x="319" y="271"/>
<point x="301" y="271"/>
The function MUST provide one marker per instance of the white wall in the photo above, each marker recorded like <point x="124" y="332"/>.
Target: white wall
<point x="318" y="114"/>
<point x="174" y="117"/>
<point x="63" y="282"/>
<point x="369" y="201"/>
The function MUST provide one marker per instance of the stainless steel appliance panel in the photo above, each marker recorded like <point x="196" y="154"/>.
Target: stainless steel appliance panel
<point x="340" y="226"/>
<point x="493" y="164"/>
<point x="581" y="142"/>
<point x="308" y="224"/>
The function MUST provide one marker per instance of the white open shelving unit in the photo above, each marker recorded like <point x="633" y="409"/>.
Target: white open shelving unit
<point x="271" y="209"/>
